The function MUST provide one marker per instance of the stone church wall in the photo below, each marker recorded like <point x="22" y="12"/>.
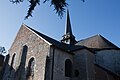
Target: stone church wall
<point x="60" y="58"/>
<point x="102" y="74"/>
<point x="37" y="49"/>
<point x="84" y="64"/>
<point x="109" y="59"/>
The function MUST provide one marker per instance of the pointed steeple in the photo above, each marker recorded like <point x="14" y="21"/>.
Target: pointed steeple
<point x="68" y="24"/>
<point x="68" y="37"/>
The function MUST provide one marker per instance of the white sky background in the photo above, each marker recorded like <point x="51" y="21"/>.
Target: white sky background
<point x="87" y="19"/>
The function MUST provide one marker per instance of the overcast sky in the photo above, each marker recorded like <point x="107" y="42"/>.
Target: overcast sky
<point x="87" y="19"/>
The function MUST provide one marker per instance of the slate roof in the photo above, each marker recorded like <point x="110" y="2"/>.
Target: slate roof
<point x="56" y="43"/>
<point x="96" y="41"/>
<point x="108" y="70"/>
<point x="50" y="40"/>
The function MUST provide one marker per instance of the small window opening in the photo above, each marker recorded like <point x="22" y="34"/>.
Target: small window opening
<point x="76" y="73"/>
<point x="30" y="69"/>
<point x="68" y="68"/>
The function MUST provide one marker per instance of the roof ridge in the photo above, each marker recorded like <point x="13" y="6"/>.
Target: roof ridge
<point x="98" y="39"/>
<point x="39" y="33"/>
<point x="107" y="41"/>
<point x="36" y="32"/>
<point x="90" y="37"/>
<point x="51" y="41"/>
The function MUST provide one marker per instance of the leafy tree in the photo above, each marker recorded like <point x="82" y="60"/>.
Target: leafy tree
<point x="59" y="6"/>
<point x="2" y="50"/>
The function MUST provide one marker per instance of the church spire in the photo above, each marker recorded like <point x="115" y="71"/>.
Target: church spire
<point x="68" y="37"/>
<point x="68" y="24"/>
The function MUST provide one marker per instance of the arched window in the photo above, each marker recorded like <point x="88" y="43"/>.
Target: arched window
<point x="13" y="57"/>
<point x="21" y="68"/>
<point x="30" y="69"/>
<point x="24" y="54"/>
<point x="68" y="68"/>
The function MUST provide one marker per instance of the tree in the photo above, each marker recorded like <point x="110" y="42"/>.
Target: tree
<point x="59" y="6"/>
<point x="2" y="50"/>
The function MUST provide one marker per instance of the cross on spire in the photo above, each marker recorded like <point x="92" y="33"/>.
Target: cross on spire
<point x="68" y="37"/>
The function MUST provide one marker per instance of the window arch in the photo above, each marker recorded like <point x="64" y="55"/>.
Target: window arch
<point x="30" y="69"/>
<point x="24" y="53"/>
<point x="68" y="68"/>
<point x="21" y="68"/>
<point x="12" y="61"/>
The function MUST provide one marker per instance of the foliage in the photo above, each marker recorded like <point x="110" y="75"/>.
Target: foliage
<point x="59" y="6"/>
<point x="2" y="50"/>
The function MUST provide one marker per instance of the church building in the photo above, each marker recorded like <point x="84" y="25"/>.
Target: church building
<point x="35" y="56"/>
